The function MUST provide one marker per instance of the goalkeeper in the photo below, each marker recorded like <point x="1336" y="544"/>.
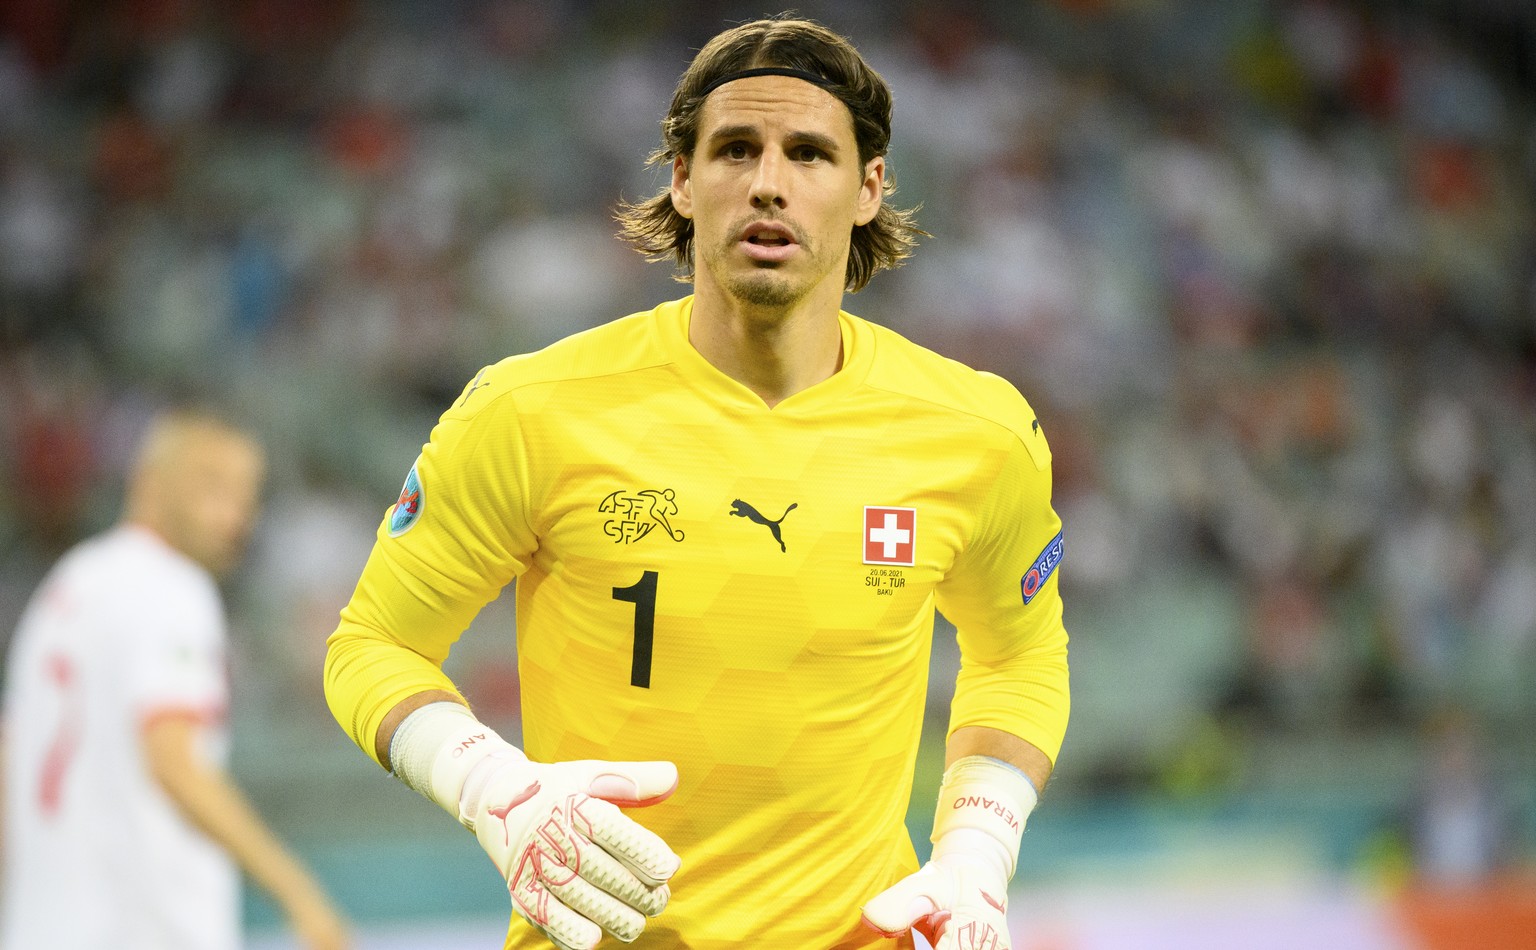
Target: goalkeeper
<point x="730" y="520"/>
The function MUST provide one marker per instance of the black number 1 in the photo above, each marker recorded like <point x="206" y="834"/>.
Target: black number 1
<point x="643" y="595"/>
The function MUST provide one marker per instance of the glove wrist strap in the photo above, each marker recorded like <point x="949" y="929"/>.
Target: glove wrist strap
<point x="983" y="798"/>
<point x="437" y="747"/>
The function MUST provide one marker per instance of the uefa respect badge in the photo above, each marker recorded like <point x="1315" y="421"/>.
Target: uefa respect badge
<point x="1041" y="570"/>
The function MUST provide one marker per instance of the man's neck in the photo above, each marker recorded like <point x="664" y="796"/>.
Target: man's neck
<point x="775" y="352"/>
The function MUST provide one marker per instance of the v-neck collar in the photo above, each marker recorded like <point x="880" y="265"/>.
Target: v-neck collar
<point x="672" y="323"/>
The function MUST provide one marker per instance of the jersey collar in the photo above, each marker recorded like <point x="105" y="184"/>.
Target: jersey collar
<point x="672" y="321"/>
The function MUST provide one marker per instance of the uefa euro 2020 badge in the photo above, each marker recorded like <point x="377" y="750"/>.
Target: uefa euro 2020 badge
<point x="407" y="510"/>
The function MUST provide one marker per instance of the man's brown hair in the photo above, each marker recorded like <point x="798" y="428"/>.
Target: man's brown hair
<point x="654" y="227"/>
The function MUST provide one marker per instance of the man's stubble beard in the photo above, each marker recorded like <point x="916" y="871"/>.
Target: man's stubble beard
<point x="764" y="286"/>
<point x="764" y="290"/>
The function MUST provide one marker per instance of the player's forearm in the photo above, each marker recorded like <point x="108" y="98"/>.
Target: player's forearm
<point x="372" y="683"/>
<point x="218" y="807"/>
<point x="1005" y="746"/>
<point x="211" y="802"/>
<point x="1024" y="694"/>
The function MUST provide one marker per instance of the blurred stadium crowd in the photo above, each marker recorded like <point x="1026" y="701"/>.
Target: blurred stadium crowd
<point x="1267" y="270"/>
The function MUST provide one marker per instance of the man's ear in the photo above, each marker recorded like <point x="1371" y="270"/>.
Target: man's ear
<point x="871" y="191"/>
<point x="682" y="187"/>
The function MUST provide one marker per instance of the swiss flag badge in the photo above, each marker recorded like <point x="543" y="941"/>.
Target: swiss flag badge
<point x="890" y="535"/>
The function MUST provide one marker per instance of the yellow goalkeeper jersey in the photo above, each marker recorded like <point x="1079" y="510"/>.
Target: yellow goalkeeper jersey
<point x="747" y="592"/>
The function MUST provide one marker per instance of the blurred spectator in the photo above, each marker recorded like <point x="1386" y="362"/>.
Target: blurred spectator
<point x="1463" y="819"/>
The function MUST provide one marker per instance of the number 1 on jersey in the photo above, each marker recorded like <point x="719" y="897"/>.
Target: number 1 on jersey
<point x="643" y="595"/>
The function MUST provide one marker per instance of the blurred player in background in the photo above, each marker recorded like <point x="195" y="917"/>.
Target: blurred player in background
<point x="730" y="519"/>
<point x="122" y="827"/>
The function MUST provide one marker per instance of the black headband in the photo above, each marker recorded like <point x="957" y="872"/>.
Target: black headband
<point x="809" y="77"/>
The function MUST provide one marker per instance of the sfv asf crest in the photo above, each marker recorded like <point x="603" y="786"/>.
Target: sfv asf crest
<point x="635" y="514"/>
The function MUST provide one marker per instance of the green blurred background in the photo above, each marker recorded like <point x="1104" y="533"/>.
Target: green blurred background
<point x="1267" y="270"/>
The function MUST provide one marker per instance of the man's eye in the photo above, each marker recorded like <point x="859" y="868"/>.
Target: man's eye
<point x="735" y="150"/>
<point x="806" y="153"/>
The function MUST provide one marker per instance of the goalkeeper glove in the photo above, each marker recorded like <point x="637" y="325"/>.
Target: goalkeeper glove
<point x="575" y="865"/>
<point x="959" y="899"/>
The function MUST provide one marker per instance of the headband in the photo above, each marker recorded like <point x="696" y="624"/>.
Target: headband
<point x="809" y="77"/>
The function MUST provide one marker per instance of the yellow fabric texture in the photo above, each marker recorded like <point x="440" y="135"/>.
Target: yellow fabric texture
<point x="787" y="677"/>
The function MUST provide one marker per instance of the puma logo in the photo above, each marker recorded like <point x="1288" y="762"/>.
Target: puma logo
<point x="1035" y="424"/>
<point x="476" y="384"/>
<point x="741" y="509"/>
<point x="505" y="810"/>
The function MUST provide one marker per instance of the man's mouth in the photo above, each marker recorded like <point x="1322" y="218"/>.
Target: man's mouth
<point x="768" y="234"/>
<point x="768" y="242"/>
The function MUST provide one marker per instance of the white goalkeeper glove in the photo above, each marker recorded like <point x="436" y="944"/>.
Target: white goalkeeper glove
<point x="959" y="899"/>
<point x="575" y="865"/>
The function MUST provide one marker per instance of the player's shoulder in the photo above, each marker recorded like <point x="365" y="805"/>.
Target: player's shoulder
<point x="902" y="366"/>
<point x="624" y="345"/>
<point x="149" y="559"/>
<point x="142" y="574"/>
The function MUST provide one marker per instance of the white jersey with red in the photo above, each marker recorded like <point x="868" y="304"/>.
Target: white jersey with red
<point x="123" y="630"/>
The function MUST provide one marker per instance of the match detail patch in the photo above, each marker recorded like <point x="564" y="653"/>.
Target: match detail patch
<point x="407" y="510"/>
<point x="890" y="535"/>
<point x="1042" y="569"/>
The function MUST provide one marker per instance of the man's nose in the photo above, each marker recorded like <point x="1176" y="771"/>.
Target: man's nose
<point x="768" y="182"/>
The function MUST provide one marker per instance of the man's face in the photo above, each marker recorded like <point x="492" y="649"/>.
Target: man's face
<point x="218" y="488"/>
<point x="774" y="189"/>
